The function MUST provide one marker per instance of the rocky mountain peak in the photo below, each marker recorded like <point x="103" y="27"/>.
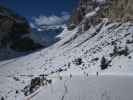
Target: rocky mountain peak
<point x="92" y="12"/>
<point x="14" y="31"/>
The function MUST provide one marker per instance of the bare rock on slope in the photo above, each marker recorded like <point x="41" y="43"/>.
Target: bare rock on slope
<point x="14" y="29"/>
<point x="114" y="10"/>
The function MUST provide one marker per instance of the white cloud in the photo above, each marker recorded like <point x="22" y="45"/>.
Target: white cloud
<point x="32" y="25"/>
<point x="51" y="20"/>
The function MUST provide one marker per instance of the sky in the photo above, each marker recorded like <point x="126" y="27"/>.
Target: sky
<point x="34" y="8"/>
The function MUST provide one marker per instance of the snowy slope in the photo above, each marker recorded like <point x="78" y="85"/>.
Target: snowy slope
<point x="88" y="88"/>
<point x="69" y="64"/>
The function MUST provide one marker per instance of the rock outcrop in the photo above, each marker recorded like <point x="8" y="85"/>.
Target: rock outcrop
<point x="13" y="31"/>
<point x="92" y="12"/>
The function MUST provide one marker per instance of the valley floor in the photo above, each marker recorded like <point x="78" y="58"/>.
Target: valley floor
<point x="93" y="87"/>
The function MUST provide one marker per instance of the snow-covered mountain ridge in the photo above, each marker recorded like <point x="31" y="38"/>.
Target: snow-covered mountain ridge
<point x="95" y="64"/>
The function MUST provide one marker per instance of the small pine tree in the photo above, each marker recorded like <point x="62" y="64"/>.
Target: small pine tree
<point x="2" y="98"/>
<point x="104" y="63"/>
<point x="126" y="51"/>
<point x="115" y="50"/>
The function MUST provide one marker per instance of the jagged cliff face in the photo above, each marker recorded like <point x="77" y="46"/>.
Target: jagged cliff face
<point x="11" y="22"/>
<point x="85" y="7"/>
<point x="114" y="10"/>
<point x="14" y="31"/>
<point x="119" y="10"/>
